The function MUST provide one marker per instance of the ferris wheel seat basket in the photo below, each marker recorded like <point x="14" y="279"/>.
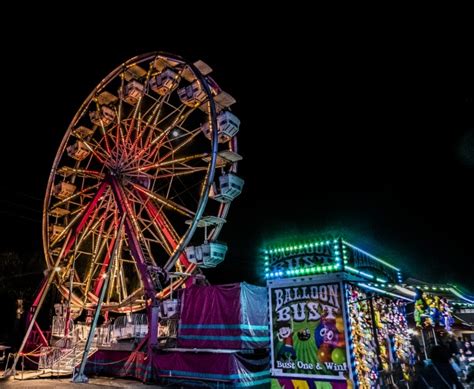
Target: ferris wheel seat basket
<point x="230" y="186"/>
<point x="82" y="132"/>
<point x="169" y="308"/>
<point x="192" y="95"/>
<point x="164" y="82"/>
<point x="207" y="255"/>
<point x="78" y="151"/>
<point x="105" y="116"/>
<point x="227" y="126"/>
<point x="63" y="190"/>
<point x="133" y="92"/>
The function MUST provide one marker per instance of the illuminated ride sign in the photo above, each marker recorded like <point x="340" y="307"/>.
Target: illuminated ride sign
<point x="327" y="256"/>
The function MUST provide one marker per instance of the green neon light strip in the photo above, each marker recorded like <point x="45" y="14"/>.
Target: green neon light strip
<point x="425" y="287"/>
<point x="383" y="291"/>
<point x="304" y="271"/>
<point x="299" y="246"/>
<point x="371" y="256"/>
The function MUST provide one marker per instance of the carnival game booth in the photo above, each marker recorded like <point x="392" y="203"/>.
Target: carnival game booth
<point x="329" y="326"/>
<point x="438" y="312"/>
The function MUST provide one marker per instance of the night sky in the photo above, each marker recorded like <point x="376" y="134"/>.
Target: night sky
<point x="366" y="136"/>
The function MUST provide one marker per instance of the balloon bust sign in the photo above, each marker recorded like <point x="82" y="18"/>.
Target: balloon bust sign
<point x="329" y="324"/>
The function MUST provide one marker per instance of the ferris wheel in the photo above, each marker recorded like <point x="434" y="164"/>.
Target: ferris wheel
<point x="146" y="172"/>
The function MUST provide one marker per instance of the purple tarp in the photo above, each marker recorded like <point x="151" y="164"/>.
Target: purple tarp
<point x="235" y="369"/>
<point x="230" y="316"/>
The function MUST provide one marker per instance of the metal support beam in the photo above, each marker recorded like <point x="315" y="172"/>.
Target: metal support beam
<point x="39" y="302"/>
<point x="80" y="377"/>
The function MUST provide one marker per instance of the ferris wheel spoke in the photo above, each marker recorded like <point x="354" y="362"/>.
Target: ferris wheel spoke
<point x="97" y="251"/>
<point x="85" y="173"/>
<point x="183" y="172"/>
<point x="95" y="221"/>
<point x="145" y="224"/>
<point x="74" y="196"/>
<point x="138" y="105"/>
<point x="182" y="160"/>
<point x="163" y="224"/>
<point x="81" y="220"/>
<point x="137" y="143"/>
<point x="99" y="281"/>
<point x="83" y="234"/>
<point x="118" y="278"/>
<point x="103" y="129"/>
<point x="66" y="229"/>
<point x="134" y="238"/>
<point x="102" y="155"/>
<point x="151" y="124"/>
<point x="190" y="136"/>
<point x="179" y="119"/>
<point x="97" y="151"/>
<point x="123" y="285"/>
<point x="136" y="117"/>
<point x="120" y="136"/>
<point x="177" y="113"/>
<point x="164" y="201"/>
<point x="156" y="110"/>
<point x="99" y="264"/>
<point x="177" y="123"/>
<point x="156" y="233"/>
<point x="173" y="150"/>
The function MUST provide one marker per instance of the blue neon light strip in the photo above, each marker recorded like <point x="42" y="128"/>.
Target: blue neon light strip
<point x="251" y="383"/>
<point x="225" y="326"/>
<point x="355" y="271"/>
<point x="383" y="291"/>
<point x="371" y="256"/>
<point x="230" y="338"/>
<point x="455" y="292"/>
<point x="183" y="373"/>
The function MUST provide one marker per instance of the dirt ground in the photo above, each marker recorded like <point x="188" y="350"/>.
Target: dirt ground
<point x="59" y="383"/>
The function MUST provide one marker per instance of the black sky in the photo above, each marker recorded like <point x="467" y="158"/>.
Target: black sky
<point x="370" y="135"/>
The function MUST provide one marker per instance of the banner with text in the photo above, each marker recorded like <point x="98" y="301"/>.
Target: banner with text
<point x="308" y="337"/>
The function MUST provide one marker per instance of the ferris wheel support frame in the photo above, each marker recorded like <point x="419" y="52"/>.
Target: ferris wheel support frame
<point x="49" y="278"/>
<point x="124" y="211"/>
<point x="40" y="300"/>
